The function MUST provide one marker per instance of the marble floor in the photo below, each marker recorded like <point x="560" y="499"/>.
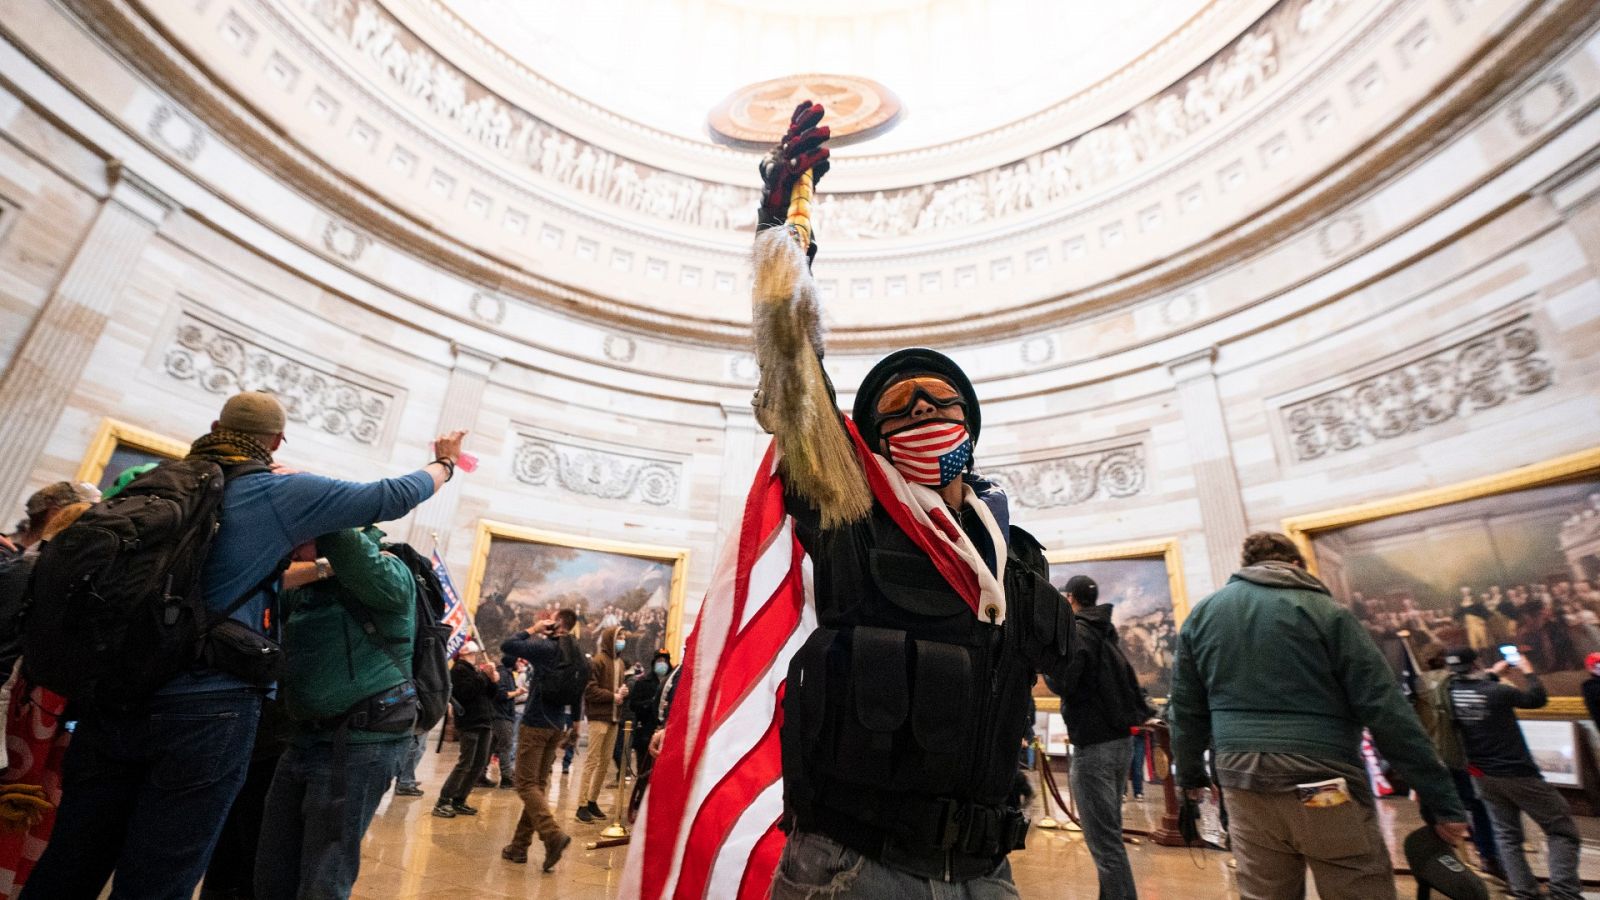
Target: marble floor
<point x="410" y="854"/>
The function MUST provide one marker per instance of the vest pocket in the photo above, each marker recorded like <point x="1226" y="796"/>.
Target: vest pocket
<point x="910" y="581"/>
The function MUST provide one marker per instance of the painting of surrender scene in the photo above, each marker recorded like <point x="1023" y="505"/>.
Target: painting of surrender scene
<point x="522" y="576"/>
<point x="1140" y="594"/>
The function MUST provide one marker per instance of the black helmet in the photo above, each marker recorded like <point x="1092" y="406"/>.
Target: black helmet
<point x="908" y="363"/>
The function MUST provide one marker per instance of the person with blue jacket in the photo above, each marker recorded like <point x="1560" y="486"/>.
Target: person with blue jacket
<point x="146" y="791"/>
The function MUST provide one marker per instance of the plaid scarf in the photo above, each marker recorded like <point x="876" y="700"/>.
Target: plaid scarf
<point x="229" y="448"/>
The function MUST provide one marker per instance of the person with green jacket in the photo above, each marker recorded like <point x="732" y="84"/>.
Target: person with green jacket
<point x="350" y="698"/>
<point x="1278" y="681"/>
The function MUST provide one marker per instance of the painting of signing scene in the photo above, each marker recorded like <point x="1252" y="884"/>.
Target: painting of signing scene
<point x="1519" y="567"/>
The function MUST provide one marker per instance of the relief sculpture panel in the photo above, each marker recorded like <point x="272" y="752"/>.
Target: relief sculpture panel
<point x="1482" y="372"/>
<point x="223" y="362"/>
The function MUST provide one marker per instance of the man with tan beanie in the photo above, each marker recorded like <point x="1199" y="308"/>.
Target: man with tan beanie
<point x="146" y="792"/>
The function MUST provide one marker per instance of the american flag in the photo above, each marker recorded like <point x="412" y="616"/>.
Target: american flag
<point x="709" y="826"/>
<point x="455" y="612"/>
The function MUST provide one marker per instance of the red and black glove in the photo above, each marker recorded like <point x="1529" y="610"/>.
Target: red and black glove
<point x="801" y="149"/>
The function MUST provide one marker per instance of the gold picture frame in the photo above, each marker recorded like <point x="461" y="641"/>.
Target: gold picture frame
<point x="488" y="531"/>
<point x="1585" y="463"/>
<point x="1168" y="550"/>
<point x="115" y="433"/>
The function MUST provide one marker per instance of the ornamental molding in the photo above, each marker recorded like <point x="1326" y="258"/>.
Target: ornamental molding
<point x="177" y="132"/>
<point x="343" y="241"/>
<point x="224" y="360"/>
<point x="1532" y="45"/>
<point x="488" y="307"/>
<point x="1075" y="475"/>
<point x="591" y="469"/>
<point x="1040" y="181"/>
<point x="433" y="84"/>
<point x="1487" y="370"/>
<point x="1540" y="104"/>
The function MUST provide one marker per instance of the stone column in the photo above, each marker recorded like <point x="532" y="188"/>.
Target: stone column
<point x="1222" y="515"/>
<point x="51" y="359"/>
<point x="462" y="400"/>
<point x="742" y="443"/>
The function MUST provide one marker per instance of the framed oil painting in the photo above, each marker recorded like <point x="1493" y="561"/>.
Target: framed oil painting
<point x="521" y="575"/>
<point x="1509" y="559"/>
<point x="1143" y="582"/>
<point x="118" y="446"/>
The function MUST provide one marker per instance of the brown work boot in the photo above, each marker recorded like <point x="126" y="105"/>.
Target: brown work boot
<point x="554" y="849"/>
<point x="511" y="853"/>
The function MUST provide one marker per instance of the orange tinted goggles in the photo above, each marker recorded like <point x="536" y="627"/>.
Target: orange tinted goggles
<point x="899" y="398"/>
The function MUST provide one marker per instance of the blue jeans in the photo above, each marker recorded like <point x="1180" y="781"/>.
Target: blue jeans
<point x="1099" y="775"/>
<point x="1136" y="768"/>
<point x="145" y="796"/>
<point x="415" y="748"/>
<point x="311" y="836"/>
<point x="814" y="867"/>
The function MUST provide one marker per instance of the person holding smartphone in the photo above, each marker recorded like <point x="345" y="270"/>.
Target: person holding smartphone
<point x="1507" y="778"/>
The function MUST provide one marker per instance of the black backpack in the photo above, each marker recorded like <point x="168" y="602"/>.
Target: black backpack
<point x="1117" y="688"/>
<point x="562" y="684"/>
<point x="117" y="606"/>
<point x="430" y="657"/>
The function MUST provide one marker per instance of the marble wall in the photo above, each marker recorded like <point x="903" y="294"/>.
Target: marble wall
<point x="1462" y="285"/>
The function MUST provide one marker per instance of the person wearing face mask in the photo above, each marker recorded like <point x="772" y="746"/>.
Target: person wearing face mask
<point x="602" y="700"/>
<point x="903" y="709"/>
<point x="644" y="706"/>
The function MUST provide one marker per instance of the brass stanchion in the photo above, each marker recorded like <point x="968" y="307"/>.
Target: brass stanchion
<point x="1049" y="822"/>
<point x="619" y="827"/>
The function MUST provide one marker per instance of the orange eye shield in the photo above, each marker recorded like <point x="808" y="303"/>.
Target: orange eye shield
<point x="901" y="397"/>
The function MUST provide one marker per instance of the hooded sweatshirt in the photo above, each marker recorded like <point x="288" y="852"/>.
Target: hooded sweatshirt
<point x="1281" y="680"/>
<point x="599" y="698"/>
<point x="1088" y="705"/>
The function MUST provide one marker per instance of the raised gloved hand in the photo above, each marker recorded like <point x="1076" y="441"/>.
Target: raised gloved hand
<point x="802" y="148"/>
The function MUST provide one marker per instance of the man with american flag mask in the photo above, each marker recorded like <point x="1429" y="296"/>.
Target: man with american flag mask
<point x="859" y="678"/>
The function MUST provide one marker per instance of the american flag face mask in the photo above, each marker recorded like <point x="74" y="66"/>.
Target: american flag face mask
<point x="932" y="452"/>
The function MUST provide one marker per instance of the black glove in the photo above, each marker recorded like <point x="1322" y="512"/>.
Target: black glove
<point x="801" y="149"/>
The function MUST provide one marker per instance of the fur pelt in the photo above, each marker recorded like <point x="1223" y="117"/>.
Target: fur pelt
<point x="794" y="402"/>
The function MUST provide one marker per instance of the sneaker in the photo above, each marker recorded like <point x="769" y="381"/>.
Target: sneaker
<point x="461" y="809"/>
<point x="512" y="854"/>
<point x="584" y="815"/>
<point x="553" y="851"/>
<point x="407" y="790"/>
<point x="595" y="811"/>
<point x="444" y="811"/>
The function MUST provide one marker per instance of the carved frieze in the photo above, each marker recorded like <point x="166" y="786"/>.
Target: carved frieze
<point x="543" y="460"/>
<point x="1074" y="477"/>
<point x="1481" y="372"/>
<point x="1110" y="152"/>
<point x="224" y="362"/>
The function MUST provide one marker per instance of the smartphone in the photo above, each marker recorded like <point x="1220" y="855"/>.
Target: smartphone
<point x="1512" y="655"/>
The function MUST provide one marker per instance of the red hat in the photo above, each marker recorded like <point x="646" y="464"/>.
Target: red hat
<point x="1592" y="662"/>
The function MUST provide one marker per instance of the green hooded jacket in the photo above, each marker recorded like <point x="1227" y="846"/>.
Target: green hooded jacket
<point x="332" y="665"/>
<point x="1271" y="664"/>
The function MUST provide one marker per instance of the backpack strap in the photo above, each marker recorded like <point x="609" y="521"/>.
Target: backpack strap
<point x="369" y="627"/>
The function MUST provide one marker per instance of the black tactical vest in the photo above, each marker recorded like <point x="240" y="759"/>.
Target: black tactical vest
<point x="903" y="713"/>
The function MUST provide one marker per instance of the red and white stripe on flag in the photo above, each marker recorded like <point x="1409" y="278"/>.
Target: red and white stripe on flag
<point x="708" y="828"/>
